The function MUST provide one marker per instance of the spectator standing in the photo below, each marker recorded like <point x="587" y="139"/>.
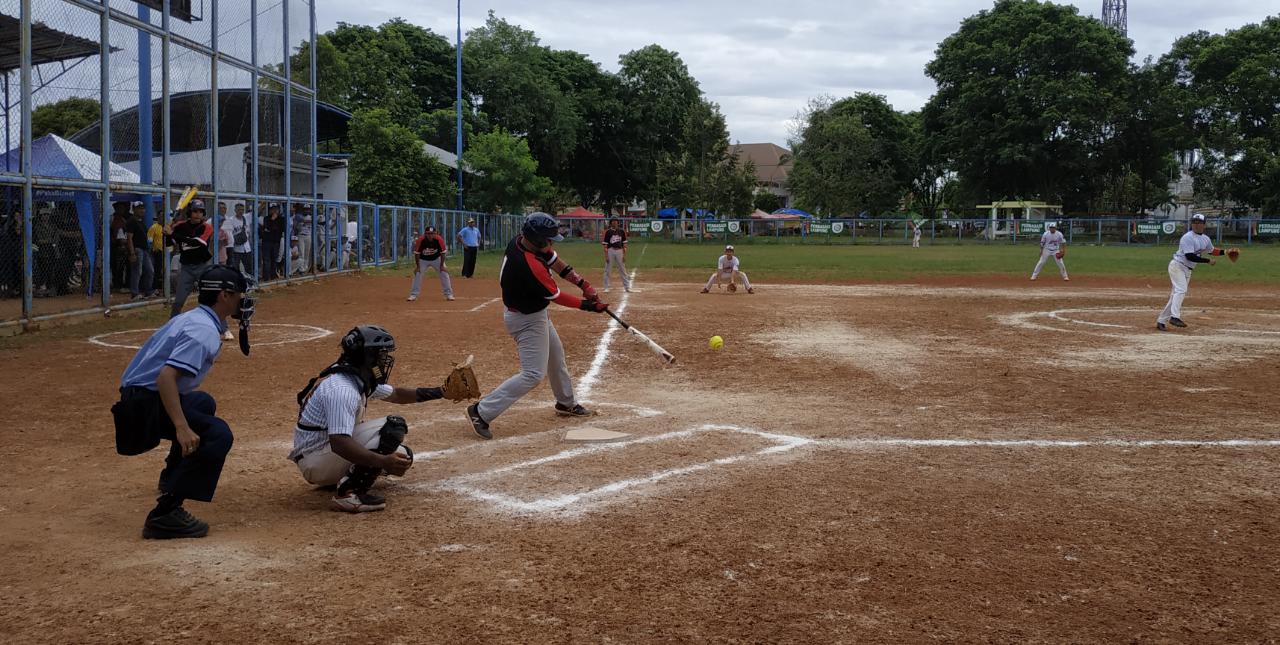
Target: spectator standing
<point x="141" y="273"/>
<point x="239" y="253"/>
<point x="469" y="236"/>
<point x="155" y="246"/>
<point x="302" y="231"/>
<point x="271" y="233"/>
<point x="119" y="247"/>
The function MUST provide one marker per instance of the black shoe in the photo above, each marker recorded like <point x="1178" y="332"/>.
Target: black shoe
<point x="478" y="424"/>
<point x="576" y="411"/>
<point x="177" y="523"/>
<point x="1161" y="326"/>
<point x="1177" y="322"/>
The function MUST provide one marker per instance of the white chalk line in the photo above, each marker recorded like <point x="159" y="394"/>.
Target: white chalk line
<point x="484" y="304"/>
<point x="588" y="380"/>
<point x="316" y="334"/>
<point x="467" y="485"/>
<point x="1025" y="319"/>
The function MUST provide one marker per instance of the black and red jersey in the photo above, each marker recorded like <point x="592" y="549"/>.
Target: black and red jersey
<point x="192" y="241"/>
<point x="615" y="238"/>
<point x="527" y="283"/>
<point x="429" y="246"/>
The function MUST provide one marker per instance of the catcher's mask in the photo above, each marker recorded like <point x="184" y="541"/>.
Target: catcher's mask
<point x="540" y="228"/>
<point x="368" y="348"/>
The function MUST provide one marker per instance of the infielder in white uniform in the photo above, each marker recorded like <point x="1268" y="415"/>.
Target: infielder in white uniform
<point x="726" y="271"/>
<point x="1192" y="250"/>
<point x="1052" y="244"/>
<point x="915" y="234"/>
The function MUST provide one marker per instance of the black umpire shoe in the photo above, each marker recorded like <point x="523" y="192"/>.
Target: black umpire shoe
<point x="576" y="411"/>
<point x="478" y="424"/>
<point x="1177" y="322"/>
<point x="177" y="523"/>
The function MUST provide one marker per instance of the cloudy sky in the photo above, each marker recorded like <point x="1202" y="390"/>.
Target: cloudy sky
<point x="763" y="60"/>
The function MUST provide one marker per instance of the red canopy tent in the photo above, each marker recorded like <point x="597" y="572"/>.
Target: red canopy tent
<point x="581" y="213"/>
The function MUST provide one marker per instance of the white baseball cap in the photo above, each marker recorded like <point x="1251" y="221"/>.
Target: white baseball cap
<point x="1052" y="225"/>
<point x="729" y="247"/>
<point x="1198" y="217"/>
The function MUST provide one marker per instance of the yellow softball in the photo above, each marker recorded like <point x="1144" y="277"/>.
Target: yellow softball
<point x="716" y="342"/>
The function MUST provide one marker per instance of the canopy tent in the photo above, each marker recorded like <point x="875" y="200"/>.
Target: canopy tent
<point x="581" y="213"/>
<point x="690" y="213"/>
<point x="793" y="211"/>
<point x="53" y="156"/>
<point x="759" y="214"/>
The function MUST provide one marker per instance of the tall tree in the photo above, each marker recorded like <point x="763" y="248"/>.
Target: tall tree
<point x="390" y="166"/>
<point x="65" y="118"/>
<point x="659" y="93"/>
<point x="1028" y="92"/>
<point x="505" y="174"/>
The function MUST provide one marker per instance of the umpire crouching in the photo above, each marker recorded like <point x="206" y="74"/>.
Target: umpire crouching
<point x="159" y="400"/>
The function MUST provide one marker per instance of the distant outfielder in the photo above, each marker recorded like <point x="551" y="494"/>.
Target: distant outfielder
<point x="615" y="253"/>
<point x="915" y="234"/>
<point x="1052" y="243"/>
<point x="727" y="273"/>
<point x="1192" y="249"/>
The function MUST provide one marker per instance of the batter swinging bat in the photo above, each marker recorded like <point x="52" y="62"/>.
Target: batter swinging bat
<point x="653" y="347"/>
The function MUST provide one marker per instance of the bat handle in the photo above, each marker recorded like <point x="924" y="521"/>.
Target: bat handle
<point x="615" y="317"/>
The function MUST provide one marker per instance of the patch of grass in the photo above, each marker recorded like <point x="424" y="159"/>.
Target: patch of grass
<point x="812" y="263"/>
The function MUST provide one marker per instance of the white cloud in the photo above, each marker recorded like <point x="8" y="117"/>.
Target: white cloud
<point x="762" y="61"/>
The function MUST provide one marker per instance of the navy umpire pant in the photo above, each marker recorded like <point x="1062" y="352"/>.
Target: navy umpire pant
<point x="196" y="475"/>
<point x="469" y="260"/>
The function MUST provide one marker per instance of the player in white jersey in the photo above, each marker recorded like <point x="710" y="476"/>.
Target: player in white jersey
<point x="727" y="273"/>
<point x="1194" y="248"/>
<point x="915" y="234"/>
<point x="1052" y="244"/>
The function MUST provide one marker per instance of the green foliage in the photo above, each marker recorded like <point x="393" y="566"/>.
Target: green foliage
<point x="702" y="173"/>
<point x="390" y="166"/>
<point x="856" y="154"/>
<point x="505" y="175"/>
<point x="660" y="94"/>
<point x="65" y="118"/>
<point x="768" y="202"/>
<point x="1230" y="90"/>
<point x="1028" y="97"/>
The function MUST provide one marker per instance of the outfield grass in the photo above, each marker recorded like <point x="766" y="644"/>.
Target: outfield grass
<point x="795" y="263"/>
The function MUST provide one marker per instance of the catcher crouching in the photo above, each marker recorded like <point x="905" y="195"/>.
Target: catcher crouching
<point x="332" y="447"/>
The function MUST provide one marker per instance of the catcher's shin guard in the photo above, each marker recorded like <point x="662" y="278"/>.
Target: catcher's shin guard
<point x="390" y="438"/>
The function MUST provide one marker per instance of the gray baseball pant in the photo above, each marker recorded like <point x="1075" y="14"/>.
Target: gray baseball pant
<point x="188" y="276"/>
<point x="541" y="355"/>
<point x="613" y="258"/>
<point x="423" y="265"/>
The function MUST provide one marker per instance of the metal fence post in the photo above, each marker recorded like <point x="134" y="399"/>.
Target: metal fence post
<point x="1099" y="232"/>
<point x="104" y="54"/>
<point x="24" y="50"/>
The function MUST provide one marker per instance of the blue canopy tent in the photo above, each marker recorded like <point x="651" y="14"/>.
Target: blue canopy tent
<point x="690" y="213"/>
<point x="793" y="211"/>
<point x="53" y="156"/>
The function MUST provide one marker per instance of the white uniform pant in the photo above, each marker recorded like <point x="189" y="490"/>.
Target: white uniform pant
<point x="1045" y="255"/>
<point x="726" y="277"/>
<point x="324" y="468"/>
<point x="613" y="258"/>
<point x="541" y="356"/>
<point x="915" y="240"/>
<point x="303" y="265"/>
<point x="1180" y="276"/>
<point x="445" y="283"/>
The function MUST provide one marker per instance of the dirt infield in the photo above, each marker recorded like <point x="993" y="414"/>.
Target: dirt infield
<point x="949" y="460"/>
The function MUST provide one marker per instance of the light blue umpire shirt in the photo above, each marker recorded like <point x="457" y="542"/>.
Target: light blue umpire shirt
<point x="189" y="342"/>
<point x="470" y="236"/>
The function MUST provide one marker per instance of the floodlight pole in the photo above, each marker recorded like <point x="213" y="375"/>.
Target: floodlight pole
<point x="458" y="106"/>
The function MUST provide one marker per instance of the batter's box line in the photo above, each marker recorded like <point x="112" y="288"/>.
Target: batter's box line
<point x="860" y="444"/>
<point x="463" y="485"/>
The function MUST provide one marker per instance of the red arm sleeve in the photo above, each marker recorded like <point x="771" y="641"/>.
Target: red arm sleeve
<point x="417" y="244"/>
<point x="444" y="248"/>
<point x="567" y="300"/>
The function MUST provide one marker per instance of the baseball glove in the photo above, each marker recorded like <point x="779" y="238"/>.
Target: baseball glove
<point x="461" y="383"/>
<point x="1059" y="254"/>
<point x="732" y="287"/>
<point x="1233" y="254"/>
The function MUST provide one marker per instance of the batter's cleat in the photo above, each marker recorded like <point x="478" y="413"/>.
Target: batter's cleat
<point x="411" y="298"/>
<point x="705" y="291"/>
<point x="1066" y="279"/>
<point x="175" y="524"/>
<point x="449" y="298"/>
<point x="1177" y="322"/>
<point x="1033" y="278"/>
<point x="576" y="411"/>
<point x="1161" y="326"/>
<point x="357" y="502"/>
<point x="478" y="424"/>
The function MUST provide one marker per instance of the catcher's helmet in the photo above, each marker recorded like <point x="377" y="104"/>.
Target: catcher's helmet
<point x="368" y="348"/>
<point x="541" y="228"/>
<point x="221" y="277"/>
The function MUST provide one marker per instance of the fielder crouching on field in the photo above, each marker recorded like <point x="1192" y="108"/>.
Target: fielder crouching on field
<point x="330" y="444"/>
<point x="158" y="399"/>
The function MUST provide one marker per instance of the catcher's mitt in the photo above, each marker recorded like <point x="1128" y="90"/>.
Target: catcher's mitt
<point x="461" y="383"/>
<point x="1233" y="254"/>
<point x="1059" y="254"/>
<point x="732" y="287"/>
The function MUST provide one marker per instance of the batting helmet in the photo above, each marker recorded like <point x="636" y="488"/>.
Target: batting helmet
<point x="540" y="228"/>
<point x="368" y="348"/>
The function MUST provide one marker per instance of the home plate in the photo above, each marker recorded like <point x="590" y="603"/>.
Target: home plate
<point x="594" y="435"/>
